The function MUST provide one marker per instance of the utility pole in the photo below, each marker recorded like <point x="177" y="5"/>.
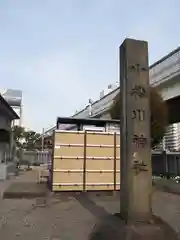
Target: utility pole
<point x="42" y="140"/>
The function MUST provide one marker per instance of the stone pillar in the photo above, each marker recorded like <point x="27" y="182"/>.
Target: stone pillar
<point x="136" y="175"/>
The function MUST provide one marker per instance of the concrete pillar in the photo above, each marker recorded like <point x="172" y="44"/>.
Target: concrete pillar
<point x="11" y="146"/>
<point x="136" y="178"/>
<point x="2" y="151"/>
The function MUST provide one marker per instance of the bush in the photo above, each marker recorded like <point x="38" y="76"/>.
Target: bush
<point x="159" y="115"/>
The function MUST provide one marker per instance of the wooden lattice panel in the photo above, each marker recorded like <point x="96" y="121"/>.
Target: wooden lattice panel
<point x="85" y="161"/>
<point x="68" y="137"/>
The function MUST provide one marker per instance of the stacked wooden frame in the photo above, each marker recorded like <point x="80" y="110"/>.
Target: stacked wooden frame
<point x="85" y="160"/>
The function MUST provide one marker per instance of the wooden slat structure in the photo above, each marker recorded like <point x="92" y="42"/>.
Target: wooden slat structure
<point x="85" y="160"/>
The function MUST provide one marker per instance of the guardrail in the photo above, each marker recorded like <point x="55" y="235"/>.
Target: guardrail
<point x="166" y="164"/>
<point x="166" y="68"/>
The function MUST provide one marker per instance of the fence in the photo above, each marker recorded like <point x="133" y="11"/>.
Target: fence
<point x="85" y="160"/>
<point x="99" y="147"/>
<point x="166" y="164"/>
<point x="90" y="161"/>
<point x="34" y="157"/>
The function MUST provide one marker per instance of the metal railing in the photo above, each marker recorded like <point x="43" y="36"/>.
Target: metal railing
<point x="166" y="164"/>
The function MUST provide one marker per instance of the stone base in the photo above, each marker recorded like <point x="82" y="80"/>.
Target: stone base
<point x="26" y="190"/>
<point x="113" y="227"/>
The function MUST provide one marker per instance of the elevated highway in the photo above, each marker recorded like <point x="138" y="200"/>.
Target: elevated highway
<point x="164" y="75"/>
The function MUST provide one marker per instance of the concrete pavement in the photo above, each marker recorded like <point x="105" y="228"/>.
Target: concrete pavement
<point x="71" y="216"/>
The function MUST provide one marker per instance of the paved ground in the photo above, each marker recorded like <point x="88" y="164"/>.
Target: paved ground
<point x="25" y="186"/>
<point x="71" y="217"/>
<point x="25" y="190"/>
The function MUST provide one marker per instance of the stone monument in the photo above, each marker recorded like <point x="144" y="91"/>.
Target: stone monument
<point x="136" y="170"/>
<point x="136" y="178"/>
<point x="135" y="220"/>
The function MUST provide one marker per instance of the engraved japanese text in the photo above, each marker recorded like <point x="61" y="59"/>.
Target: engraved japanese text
<point x="138" y="91"/>
<point x="139" y="141"/>
<point x="138" y="114"/>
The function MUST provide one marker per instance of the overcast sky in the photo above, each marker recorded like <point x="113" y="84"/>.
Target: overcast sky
<point x="60" y="53"/>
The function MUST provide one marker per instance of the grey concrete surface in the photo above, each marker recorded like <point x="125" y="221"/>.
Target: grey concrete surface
<point x="25" y="190"/>
<point x="25" y="186"/>
<point x="167" y="185"/>
<point x="70" y="216"/>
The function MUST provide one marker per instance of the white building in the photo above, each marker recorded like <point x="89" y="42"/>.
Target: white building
<point x="172" y="137"/>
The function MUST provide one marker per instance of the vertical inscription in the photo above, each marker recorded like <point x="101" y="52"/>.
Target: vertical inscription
<point x="138" y="92"/>
<point x="138" y="114"/>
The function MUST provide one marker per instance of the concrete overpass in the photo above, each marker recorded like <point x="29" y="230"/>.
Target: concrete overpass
<point x="164" y="74"/>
